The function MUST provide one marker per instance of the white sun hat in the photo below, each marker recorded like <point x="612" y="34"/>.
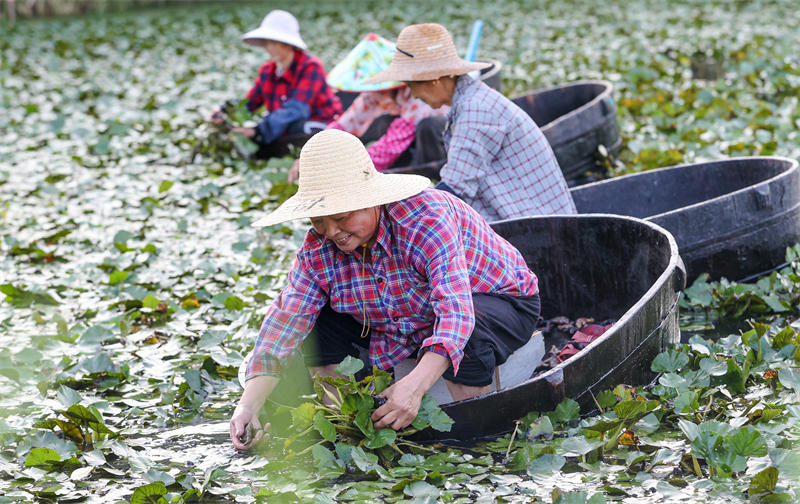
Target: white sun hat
<point x="336" y="175"/>
<point x="277" y="25"/>
<point x="425" y="52"/>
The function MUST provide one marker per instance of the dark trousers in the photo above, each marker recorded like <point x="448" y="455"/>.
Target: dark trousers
<point x="427" y="146"/>
<point x="503" y="323"/>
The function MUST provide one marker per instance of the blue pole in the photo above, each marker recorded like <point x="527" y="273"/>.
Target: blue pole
<point x="474" y="40"/>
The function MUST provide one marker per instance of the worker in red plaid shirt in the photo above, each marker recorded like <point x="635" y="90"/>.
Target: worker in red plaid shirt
<point x="291" y="86"/>
<point x="397" y="268"/>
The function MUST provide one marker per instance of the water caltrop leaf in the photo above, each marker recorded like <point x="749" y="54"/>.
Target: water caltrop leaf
<point x="353" y="403"/>
<point x="324" y="427"/>
<point x="350" y="366"/>
<point x="764" y="482"/>
<point x="579" y="445"/>
<point x="303" y="415"/>
<point x="165" y="186"/>
<point x="117" y="277"/>
<point x="234" y="303"/>
<point x="421" y="489"/>
<point x="546" y="463"/>
<point x="122" y="236"/>
<point x="152" y="493"/>
<point x="74" y="433"/>
<point x="606" y="399"/>
<point x="367" y="462"/>
<point x="150" y="301"/>
<point x="20" y="298"/>
<point x="747" y="442"/>
<point x="567" y="410"/>
<point x="381" y="438"/>
<point x="790" y="378"/>
<point x="632" y="409"/>
<point x="323" y="456"/>
<point x="364" y="423"/>
<point x="669" y="361"/>
<point x="41" y="457"/>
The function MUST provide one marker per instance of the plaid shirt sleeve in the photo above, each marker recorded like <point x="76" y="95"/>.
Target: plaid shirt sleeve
<point x="388" y="148"/>
<point x="255" y="97"/>
<point x="476" y="140"/>
<point x="310" y="83"/>
<point x="438" y="250"/>
<point x="287" y="322"/>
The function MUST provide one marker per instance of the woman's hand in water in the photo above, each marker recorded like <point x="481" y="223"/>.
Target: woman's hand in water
<point x="246" y="428"/>
<point x="248" y="132"/>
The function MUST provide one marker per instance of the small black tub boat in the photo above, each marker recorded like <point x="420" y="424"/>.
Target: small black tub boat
<point x="576" y="118"/>
<point x="603" y="266"/>
<point x="731" y="218"/>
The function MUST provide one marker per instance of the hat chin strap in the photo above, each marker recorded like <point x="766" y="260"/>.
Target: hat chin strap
<point x="365" y="323"/>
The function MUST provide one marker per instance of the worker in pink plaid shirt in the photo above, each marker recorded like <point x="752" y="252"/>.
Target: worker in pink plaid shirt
<point x="394" y="267"/>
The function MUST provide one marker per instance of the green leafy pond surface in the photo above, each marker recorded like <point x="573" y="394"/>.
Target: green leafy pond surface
<point x="133" y="284"/>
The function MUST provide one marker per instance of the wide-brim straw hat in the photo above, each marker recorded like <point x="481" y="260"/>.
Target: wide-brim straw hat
<point x="277" y="25"/>
<point x="336" y="176"/>
<point x="370" y="56"/>
<point x="425" y="52"/>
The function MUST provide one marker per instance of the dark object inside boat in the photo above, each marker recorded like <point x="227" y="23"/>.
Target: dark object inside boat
<point x="564" y="337"/>
<point x="731" y="218"/>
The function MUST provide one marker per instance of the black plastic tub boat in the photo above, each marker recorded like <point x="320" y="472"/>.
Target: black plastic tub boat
<point x="603" y="266"/>
<point x="732" y="218"/>
<point x="576" y="118"/>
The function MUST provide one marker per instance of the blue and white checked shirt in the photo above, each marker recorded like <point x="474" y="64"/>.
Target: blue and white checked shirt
<point x="498" y="160"/>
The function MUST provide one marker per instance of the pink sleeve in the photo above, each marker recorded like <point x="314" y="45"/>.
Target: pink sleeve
<point x="388" y="148"/>
<point x="335" y="125"/>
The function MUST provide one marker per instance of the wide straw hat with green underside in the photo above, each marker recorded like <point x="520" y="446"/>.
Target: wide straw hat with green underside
<point x="425" y="52"/>
<point x="370" y="56"/>
<point x="336" y="175"/>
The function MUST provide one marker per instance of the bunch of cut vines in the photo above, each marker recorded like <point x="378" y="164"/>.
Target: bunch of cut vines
<point x="339" y="412"/>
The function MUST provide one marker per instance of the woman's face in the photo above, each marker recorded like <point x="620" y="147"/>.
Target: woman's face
<point x="349" y="230"/>
<point x="278" y="51"/>
<point x="433" y="92"/>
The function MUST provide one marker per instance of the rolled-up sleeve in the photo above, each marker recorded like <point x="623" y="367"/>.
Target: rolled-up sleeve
<point x="287" y="322"/>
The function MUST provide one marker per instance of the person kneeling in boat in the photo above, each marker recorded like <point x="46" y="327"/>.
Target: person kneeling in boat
<point x="398" y="268"/>
<point x="498" y="160"/>
<point x="394" y="125"/>
<point x="292" y="87"/>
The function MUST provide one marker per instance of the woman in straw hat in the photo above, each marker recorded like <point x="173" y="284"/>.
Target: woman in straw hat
<point x="498" y="160"/>
<point x="384" y="114"/>
<point x="396" y="267"/>
<point x="291" y="86"/>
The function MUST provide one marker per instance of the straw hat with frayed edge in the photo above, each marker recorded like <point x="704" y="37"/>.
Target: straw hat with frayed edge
<point x="373" y="54"/>
<point x="337" y="176"/>
<point x="277" y="25"/>
<point x="425" y="52"/>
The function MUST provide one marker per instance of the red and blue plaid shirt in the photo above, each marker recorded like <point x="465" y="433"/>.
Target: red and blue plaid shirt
<point x="432" y="252"/>
<point x="304" y="80"/>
